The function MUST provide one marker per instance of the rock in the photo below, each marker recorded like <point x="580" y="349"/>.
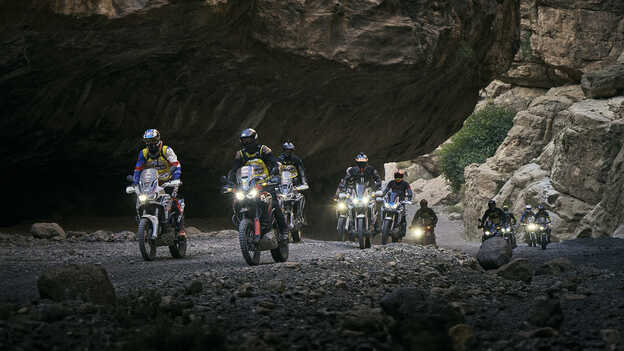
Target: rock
<point x="341" y="284"/>
<point x="546" y="312"/>
<point x="276" y="285"/>
<point x="195" y="288"/>
<point x="546" y="332"/>
<point x="124" y="235"/>
<point x="381" y="52"/>
<point x="52" y="312"/>
<point x="340" y="256"/>
<point x="192" y="231"/>
<point x="574" y="297"/>
<point x="75" y="234"/>
<point x="436" y="191"/>
<point x="367" y="321"/>
<point x="494" y="253"/>
<point x="100" y="235"/>
<point x="245" y="290"/>
<point x="610" y="336"/>
<point x="85" y="282"/>
<point x="461" y="334"/>
<point x="422" y="322"/>
<point x="455" y="216"/>
<point x="555" y="267"/>
<point x="604" y="83"/>
<point x="47" y="230"/>
<point x="518" y="269"/>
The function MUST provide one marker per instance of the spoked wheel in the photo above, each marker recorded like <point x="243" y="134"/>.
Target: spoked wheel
<point x="367" y="242"/>
<point x="147" y="246"/>
<point x="246" y="236"/>
<point x="340" y="228"/>
<point x="360" y="232"/>
<point x="544" y="241"/>
<point x="297" y="235"/>
<point x="385" y="232"/>
<point x="281" y="253"/>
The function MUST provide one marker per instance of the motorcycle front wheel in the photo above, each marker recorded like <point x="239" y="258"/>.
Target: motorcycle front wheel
<point x="360" y="232"/>
<point x="340" y="228"/>
<point x="147" y="246"/>
<point x="296" y="235"/>
<point x="385" y="231"/>
<point x="178" y="249"/>
<point x="544" y="241"/>
<point x="245" y="237"/>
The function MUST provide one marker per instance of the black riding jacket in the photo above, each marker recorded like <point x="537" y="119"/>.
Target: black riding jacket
<point x="402" y="188"/>
<point x="294" y="160"/>
<point x="495" y="215"/>
<point x="371" y="177"/>
<point x="510" y="218"/>
<point x="426" y="213"/>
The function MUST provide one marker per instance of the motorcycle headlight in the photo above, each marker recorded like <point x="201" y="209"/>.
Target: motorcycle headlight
<point x="365" y="199"/>
<point x="356" y="201"/>
<point x="341" y="206"/>
<point x="240" y="195"/>
<point x="388" y="205"/>
<point x="252" y="193"/>
<point x="542" y="228"/>
<point x="487" y="232"/>
<point x="142" y="197"/>
<point x="418" y="232"/>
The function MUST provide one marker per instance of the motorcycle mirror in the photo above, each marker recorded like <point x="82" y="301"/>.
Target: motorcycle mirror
<point x="130" y="190"/>
<point x="129" y="179"/>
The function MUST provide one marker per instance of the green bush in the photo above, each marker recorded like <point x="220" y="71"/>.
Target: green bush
<point x="478" y="139"/>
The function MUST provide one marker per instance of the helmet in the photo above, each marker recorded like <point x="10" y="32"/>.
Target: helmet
<point x="528" y="208"/>
<point x="288" y="146"/>
<point x="423" y="203"/>
<point x="249" y="138"/>
<point x="505" y="208"/>
<point x="361" y="160"/>
<point x="540" y="207"/>
<point x="398" y="175"/>
<point x="491" y="204"/>
<point x="151" y="137"/>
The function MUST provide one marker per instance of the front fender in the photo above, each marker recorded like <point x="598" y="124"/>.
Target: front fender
<point x="154" y="221"/>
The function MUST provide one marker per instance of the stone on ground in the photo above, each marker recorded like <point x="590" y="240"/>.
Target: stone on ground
<point x="77" y="282"/>
<point x="518" y="269"/>
<point x="47" y="230"/>
<point x="494" y="253"/>
<point x="546" y="312"/>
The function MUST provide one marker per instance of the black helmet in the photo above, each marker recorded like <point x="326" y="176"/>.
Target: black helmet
<point x="491" y="204"/>
<point x="288" y="146"/>
<point x="423" y="203"/>
<point x="249" y="138"/>
<point x="151" y="137"/>
<point x="398" y="175"/>
<point x="361" y="160"/>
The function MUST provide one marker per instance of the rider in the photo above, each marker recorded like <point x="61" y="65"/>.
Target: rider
<point x="542" y="216"/>
<point x="370" y="174"/>
<point x="294" y="165"/>
<point x="426" y="213"/>
<point x="401" y="187"/>
<point x="261" y="158"/>
<point x="509" y="216"/>
<point x="164" y="160"/>
<point x="494" y="215"/>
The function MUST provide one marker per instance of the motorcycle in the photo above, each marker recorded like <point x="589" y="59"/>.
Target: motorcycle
<point x="509" y="234"/>
<point x="357" y="213"/>
<point x="156" y="216"/>
<point x="291" y="202"/>
<point x="531" y="229"/>
<point x="422" y="233"/>
<point x="541" y="233"/>
<point x="490" y="230"/>
<point x="393" y="212"/>
<point x="255" y="217"/>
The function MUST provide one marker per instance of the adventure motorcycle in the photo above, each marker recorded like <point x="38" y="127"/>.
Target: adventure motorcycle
<point x="422" y="233"/>
<point x="509" y="234"/>
<point x="541" y="232"/>
<point x="357" y="213"/>
<point x="393" y="214"/>
<point x="292" y="202"/>
<point x="531" y="229"/>
<point x="255" y="217"/>
<point x="158" y="219"/>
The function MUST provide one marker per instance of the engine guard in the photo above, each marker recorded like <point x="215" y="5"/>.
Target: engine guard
<point x="267" y="241"/>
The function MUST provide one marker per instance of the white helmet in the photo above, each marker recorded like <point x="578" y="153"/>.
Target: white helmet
<point x="528" y="207"/>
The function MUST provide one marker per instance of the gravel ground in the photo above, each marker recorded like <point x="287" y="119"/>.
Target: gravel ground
<point x="327" y="297"/>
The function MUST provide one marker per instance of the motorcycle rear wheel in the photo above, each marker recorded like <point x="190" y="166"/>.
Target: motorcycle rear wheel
<point x="385" y="232"/>
<point x="178" y="249"/>
<point x="297" y="235"/>
<point x="360" y="232"/>
<point x="147" y="246"/>
<point x="245" y="234"/>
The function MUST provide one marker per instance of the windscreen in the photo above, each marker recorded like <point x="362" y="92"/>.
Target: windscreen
<point x="245" y="176"/>
<point x="148" y="181"/>
<point x="360" y="189"/>
<point x="392" y="197"/>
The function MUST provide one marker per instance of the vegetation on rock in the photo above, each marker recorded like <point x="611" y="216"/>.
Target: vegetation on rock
<point x="479" y="138"/>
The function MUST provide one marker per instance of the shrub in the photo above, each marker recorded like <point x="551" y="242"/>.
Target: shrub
<point x="478" y="139"/>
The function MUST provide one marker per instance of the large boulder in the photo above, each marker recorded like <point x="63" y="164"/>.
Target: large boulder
<point x="494" y="253"/>
<point x="322" y="73"/>
<point x="423" y="322"/>
<point x="84" y="282"/>
<point x="605" y="83"/>
<point x="47" y="230"/>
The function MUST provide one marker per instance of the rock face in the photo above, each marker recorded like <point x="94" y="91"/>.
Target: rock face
<point x="561" y="40"/>
<point x="84" y="282"/>
<point x="494" y="253"/>
<point x="565" y="152"/>
<point x="337" y="78"/>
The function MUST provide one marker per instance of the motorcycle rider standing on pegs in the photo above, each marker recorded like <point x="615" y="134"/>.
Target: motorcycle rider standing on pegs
<point x="401" y="187"/>
<point x="164" y="160"/>
<point x="542" y="216"/>
<point x="294" y="165"/>
<point x="371" y="177"/>
<point x="261" y="158"/>
<point x="524" y="220"/>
